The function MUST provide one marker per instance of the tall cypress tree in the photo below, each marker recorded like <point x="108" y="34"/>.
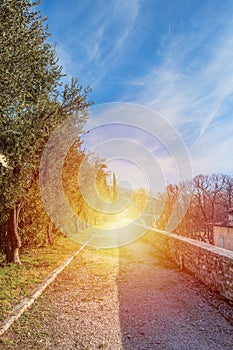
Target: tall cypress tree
<point x="115" y="189"/>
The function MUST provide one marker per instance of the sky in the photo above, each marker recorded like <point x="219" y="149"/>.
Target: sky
<point x="172" y="56"/>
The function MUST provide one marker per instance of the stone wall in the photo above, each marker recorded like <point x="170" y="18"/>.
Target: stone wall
<point x="212" y="265"/>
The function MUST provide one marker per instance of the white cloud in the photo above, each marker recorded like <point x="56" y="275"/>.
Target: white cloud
<point x="190" y="83"/>
<point x="193" y="92"/>
<point x="186" y="96"/>
<point x="97" y="41"/>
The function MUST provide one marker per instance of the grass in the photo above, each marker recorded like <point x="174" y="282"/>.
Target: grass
<point x="17" y="281"/>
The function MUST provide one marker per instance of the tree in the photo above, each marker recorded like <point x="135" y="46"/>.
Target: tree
<point x="208" y="198"/>
<point x="114" y="187"/>
<point x="208" y="203"/>
<point x="169" y="200"/>
<point x="31" y="106"/>
<point x="85" y="185"/>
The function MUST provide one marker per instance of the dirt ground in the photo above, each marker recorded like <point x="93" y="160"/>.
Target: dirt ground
<point x="128" y="298"/>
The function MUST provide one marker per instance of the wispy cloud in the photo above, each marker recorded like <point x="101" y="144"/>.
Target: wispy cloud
<point x="95" y="39"/>
<point x="186" y="89"/>
<point x="193" y="90"/>
<point x="207" y="122"/>
<point x="176" y="60"/>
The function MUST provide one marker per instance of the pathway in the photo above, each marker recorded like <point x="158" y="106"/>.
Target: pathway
<point x="131" y="298"/>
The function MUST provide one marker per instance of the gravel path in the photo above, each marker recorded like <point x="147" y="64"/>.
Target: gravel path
<point x="131" y="298"/>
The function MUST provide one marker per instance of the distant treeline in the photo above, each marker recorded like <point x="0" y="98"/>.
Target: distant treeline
<point x="197" y="205"/>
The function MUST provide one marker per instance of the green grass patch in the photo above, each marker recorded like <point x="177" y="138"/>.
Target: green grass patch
<point x="17" y="281"/>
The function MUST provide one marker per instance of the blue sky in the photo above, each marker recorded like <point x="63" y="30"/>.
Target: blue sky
<point x="175" y="57"/>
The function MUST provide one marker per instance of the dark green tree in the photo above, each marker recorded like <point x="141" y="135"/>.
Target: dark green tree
<point x="33" y="103"/>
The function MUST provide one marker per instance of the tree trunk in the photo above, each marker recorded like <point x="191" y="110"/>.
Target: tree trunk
<point x="13" y="237"/>
<point x="50" y="233"/>
<point x="3" y="238"/>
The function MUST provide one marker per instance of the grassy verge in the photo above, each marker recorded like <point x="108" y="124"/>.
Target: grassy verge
<point x="17" y="282"/>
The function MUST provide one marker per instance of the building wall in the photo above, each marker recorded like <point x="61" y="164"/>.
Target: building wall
<point x="223" y="237"/>
<point x="211" y="265"/>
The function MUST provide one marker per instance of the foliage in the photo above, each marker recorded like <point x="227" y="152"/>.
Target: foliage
<point x="33" y="223"/>
<point x="32" y="104"/>
<point x="29" y="70"/>
<point x="85" y="185"/>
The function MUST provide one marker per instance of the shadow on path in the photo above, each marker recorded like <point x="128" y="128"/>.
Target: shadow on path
<point x="161" y="307"/>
